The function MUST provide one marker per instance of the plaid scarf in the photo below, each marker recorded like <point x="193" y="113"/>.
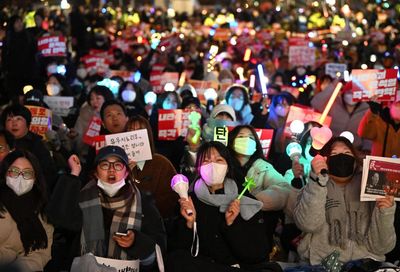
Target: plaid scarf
<point x="127" y="214"/>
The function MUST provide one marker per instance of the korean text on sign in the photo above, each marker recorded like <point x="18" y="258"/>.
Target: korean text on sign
<point x="41" y="120"/>
<point x="173" y="124"/>
<point x="367" y="83"/>
<point x="135" y="143"/>
<point x="52" y="46"/>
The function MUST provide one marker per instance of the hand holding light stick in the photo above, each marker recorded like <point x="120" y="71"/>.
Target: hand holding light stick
<point x="248" y="184"/>
<point x="180" y="184"/>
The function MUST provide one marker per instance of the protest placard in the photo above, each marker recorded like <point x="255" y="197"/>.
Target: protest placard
<point x="169" y="42"/>
<point x="304" y="114"/>
<point x="158" y="80"/>
<point x="100" y="64"/>
<point x="59" y="105"/>
<point x="122" y="44"/>
<point x="120" y="265"/>
<point x="124" y="74"/>
<point x="92" y="131"/>
<point x="135" y="143"/>
<point x="52" y="46"/>
<point x="222" y="34"/>
<point x="41" y="120"/>
<point x="380" y="177"/>
<point x="335" y="70"/>
<point x="173" y="123"/>
<point x="367" y="83"/>
<point x="202" y="85"/>
<point x="300" y="52"/>
<point x="99" y="142"/>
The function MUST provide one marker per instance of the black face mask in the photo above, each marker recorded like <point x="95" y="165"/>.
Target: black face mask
<point x="341" y="165"/>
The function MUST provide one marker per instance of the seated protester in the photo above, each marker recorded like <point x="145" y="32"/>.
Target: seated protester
<point x="25" y="235"/>
<point x="16" y="119"/>
<point x="230" y="232"/>
<point x="331" y="216"/>
<point x="109" y="203"/>
<point x="221" y="115"/>
<point x="153" y="176"/>
<point x="133" y="99"/>
<point x="237" y="96"/>
<point x="7" y="144"/>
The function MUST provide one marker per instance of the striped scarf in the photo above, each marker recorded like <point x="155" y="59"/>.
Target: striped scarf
<point x="127" y="214"/>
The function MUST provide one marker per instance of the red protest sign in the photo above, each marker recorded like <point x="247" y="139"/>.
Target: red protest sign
<point x="124" y="74"/>
<point x="202" y="85"/>
<point x="300" y="53"/>
<point x="158" y="80"/>
<point x="367" y="83"/>
<point x="222" y="34"/>
<point x="172" y="124"/>
<point x="99" y="142"/>
<point x="98" y="63"/>
<point x="304" y="114"/>
<point x="41" y="120"/>
<point x="52" y="46"/>
<point x="169" y="42"/>
<point x="92" y="131"/>
<point x="122" y="44"/>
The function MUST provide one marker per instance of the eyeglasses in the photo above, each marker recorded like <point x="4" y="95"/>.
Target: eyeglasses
<point x="14" y="172"/>
<point x="117" y="165"/>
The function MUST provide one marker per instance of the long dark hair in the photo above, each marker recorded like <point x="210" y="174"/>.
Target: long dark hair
<point x="205" y="150"/>
<point x="258" y="154"/>
<point x="25" y="209"/>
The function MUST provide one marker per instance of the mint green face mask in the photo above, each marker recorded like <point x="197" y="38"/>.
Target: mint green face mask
<point x="245" y="146"/>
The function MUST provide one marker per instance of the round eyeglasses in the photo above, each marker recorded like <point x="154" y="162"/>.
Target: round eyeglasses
<point x="117" y="165"/>
<point x="14" y="172"/>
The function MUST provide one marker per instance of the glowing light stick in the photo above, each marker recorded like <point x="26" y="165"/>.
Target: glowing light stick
<point x="247" y="55"/>
<point x="182" y="79"/>
<point x="330" y="103"/>
<point x="263" y="82"/>
<point x="293" y="150"/>
<point x="240" y="72"/>
<point x="150" y="98"/>
<point x="248" y="184"/>
<point x="180" y="184"/>
<point x="252" y="81"/>
<point x="194" y="118"/>
<point x="296" y="127"/>
<point x="348" y="135"/>
<point x="320" y="136"/>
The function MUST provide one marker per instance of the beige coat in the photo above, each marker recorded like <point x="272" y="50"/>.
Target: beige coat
<point x="11" y="248"/>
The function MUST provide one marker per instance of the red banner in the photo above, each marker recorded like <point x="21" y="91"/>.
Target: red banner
<point x="300" y="54"/>
<point x="52" y="46"/>
<point x="158" y="80"/>
<point x="92" y="131"/>
<point x="172" y="124"/>
<point x="41" y="120"/>
<point x="367" y="83"/>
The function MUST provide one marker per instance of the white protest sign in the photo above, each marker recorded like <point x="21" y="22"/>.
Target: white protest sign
<point x="335" y="70"/>
<point x="59" y="105"/>
<point x="135" y="143"/>
<point x="120" y="265"/>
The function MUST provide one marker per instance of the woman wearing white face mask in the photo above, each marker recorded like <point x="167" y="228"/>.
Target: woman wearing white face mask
<point x="229" y="232"/>
<point x="237" y="96"/>
<point x="112" y="203"/>
<point x="25" y="235"/>
<point x="133" y="99"/>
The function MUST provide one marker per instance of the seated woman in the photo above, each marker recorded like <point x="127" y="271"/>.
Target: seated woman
<point x="25" y="235"/>
<point x="109" y="203"/>
<point x="230" y="232"/>
<point x="331" y="216"/>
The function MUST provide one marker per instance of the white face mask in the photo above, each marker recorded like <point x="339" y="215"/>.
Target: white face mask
<point x="213" y="173"/>
<point x="348" y="99"/>
<point x="20" y="185"/>
<point x="245" y="146"/>
<point x="53" y="89"/>
<point x="128" y="95"/>
<point x="236" y="103"/>
<point x="81" y="73"/>
<point x="110" y="189"/>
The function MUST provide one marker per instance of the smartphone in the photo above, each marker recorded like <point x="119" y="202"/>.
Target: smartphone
<point x="121" y="234"/>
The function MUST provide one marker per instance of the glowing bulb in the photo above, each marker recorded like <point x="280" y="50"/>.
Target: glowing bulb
<point x="27" y="88"/>
<point x="364" y="66"/>
<point x="296" y="127"/>
<point x="294" y="150"/>
<point x="372" y="58"/>
<point x="345" y="43"/>
<point x="169" y="87"/>
<point x="150" y="98"/>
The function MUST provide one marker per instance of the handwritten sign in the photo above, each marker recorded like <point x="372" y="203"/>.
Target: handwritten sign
<point x="335" y="70"/>
<point x="158" y="80"/>
<point x="304" y="114"/>
<point x="59" y="105"/>
<point x="41" y="120"/>
<point x="172" y="124"/>
<point x="120" y="265"/>
<point x="367" y="83"/>
<point x="92" y="131"/>
<point x="135" y="143"/>
<point x="52" y="46"/>
<point x="300" y="53"/>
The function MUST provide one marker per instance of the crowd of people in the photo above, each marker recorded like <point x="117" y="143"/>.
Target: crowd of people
<point x="62" y="196"/>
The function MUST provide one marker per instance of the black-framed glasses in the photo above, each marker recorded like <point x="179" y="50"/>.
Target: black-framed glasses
<point x="117" y="165"/>
<point x="14" y="172"/>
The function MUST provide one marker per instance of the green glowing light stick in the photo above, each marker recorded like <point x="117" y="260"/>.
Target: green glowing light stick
<point x="194" y="118"/>
<point x="248" y="184"/>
